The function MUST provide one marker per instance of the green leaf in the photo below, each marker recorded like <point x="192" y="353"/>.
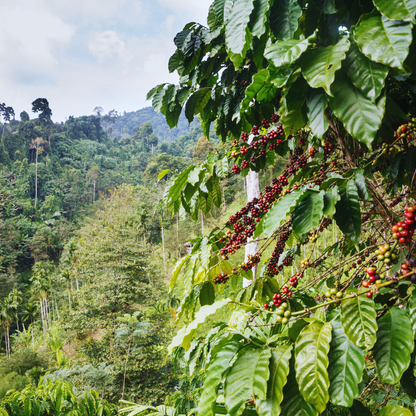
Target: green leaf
<point x="226" y="350"/>
<point x="196" y="102"/>
<point x="293" y="109"/>
<point x="348" y="214"/>
<point x="395" y="342"/>
<point x="361" y="117"/>
<point x="284" y="16"/>
<point x="331" y="198"/>
<point x="158" y="100"/>
<point x="319" y="66"/>
<point x="311" y="352"/>
<point x="259" y="17"/>
<point x="176" y="60"/>
<point x="178" y="267"/>
<point x="205" y="203"/>
<point x="279" y="370"/>
<point x="185" y="335"/>
<point x="307" y="215"/>
<point x="207" y="294"/>
<point x="358" y="318"/>
<point x="280" y="76"/>
<point x="162" y="174"/>
<point x="397" y="9"/>
<point x="216" y="194"/>
<point x="154" y="90"/>
<point x="222" y="9"/>
<point x="317" y="103"/>
<point x="285" y="52"/>
<point x="361" y="184"/>
<point x="280" y="210"/>
<point x="237" y="33"/>
<point x="411" y="311"/>
<point x="394" y="410"/>
<point x="293" y="403"/>
<point x="246" y="378"/>
<point x="259" y="80"/>
<point x="325" y="6"/>
<point x="346" y="366"/>
<point x="383" y="40"/>
<point x="175" y="190"/>
<point x="366" y="75"/>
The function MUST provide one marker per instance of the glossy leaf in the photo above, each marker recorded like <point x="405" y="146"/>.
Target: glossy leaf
<point x="348" y="214"/>
<point x="325" y="6"/>
<point x="175" y="190"/>
<point x="346" y="365"/>
<point x="259" y="17"/>
<point x="361" y="117"/>
<point x="246" y="378"/>
<point x="280" y="76"/>
<point x="394" y="410"/>
<point x="307" y="215"/>
<point x="259" y="81"/>
<point x="280" y="210"/>
<point x="361" y="185"/>
<point x="319" y="66"/>
<point x="284" y="16"/>
<point x="226" y="351"/>
<point x="237" y="33"/>
<point x="207" y="294"/>
<point x="331" y="199"/>
<point x="293" y="403"/>
<point x="279" y="370"/>
<point x="395" y="342"/>
<point x="311" y="353"/>
<point x="222" y="9"/>
<point x="196" y="102"/>
<point x="177" y="269"/>
<point x="366" y="75"/>
<point x="411" y="311"/>
<point x="285" y="52"/>
<point x="216" y="194"/>
<point x="383" y="40"/>
<point x="185" y="335"/>
<point x="397" y="9"/>
<point x="293" y="108"/>
<point x="358" y="318"/>
<point x="317" y="103"/>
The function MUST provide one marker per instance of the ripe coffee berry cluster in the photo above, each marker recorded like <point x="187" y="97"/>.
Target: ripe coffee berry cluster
<point x="372" y="277"/>
<point x="221" y="278"/>
<point x="407" y="130"/>
<point x="404" y="230"/>
<point x="407" y="267"/>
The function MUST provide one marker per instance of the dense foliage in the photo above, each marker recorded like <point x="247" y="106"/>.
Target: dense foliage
<point x="327" y="326"/>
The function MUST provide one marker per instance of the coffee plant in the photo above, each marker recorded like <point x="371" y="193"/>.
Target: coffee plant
<point x="328" y="323"/>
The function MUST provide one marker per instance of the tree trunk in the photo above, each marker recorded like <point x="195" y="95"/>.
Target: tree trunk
<point x="253" y="191"/>
<point x="36" y="178"/>
<point x="163" y="250"/>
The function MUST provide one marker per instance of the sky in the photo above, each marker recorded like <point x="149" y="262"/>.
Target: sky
<point x="81" y="54"/>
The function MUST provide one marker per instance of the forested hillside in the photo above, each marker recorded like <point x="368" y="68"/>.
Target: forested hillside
<point x="86" y="244"/>
<point x="125" y="123"/>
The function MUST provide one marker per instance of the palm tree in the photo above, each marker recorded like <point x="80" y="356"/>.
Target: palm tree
<point x="15" y="297"/>
<point x="30" y="312"/>
<point x="7" y="315"/>
<point x="42" y="284"/>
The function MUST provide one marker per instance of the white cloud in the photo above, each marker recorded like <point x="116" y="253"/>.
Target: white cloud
<point x="106" y="44"/>
<point x="83" y="53"/>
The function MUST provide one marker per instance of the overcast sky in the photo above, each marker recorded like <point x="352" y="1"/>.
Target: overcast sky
<point x="80" y="54"/>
